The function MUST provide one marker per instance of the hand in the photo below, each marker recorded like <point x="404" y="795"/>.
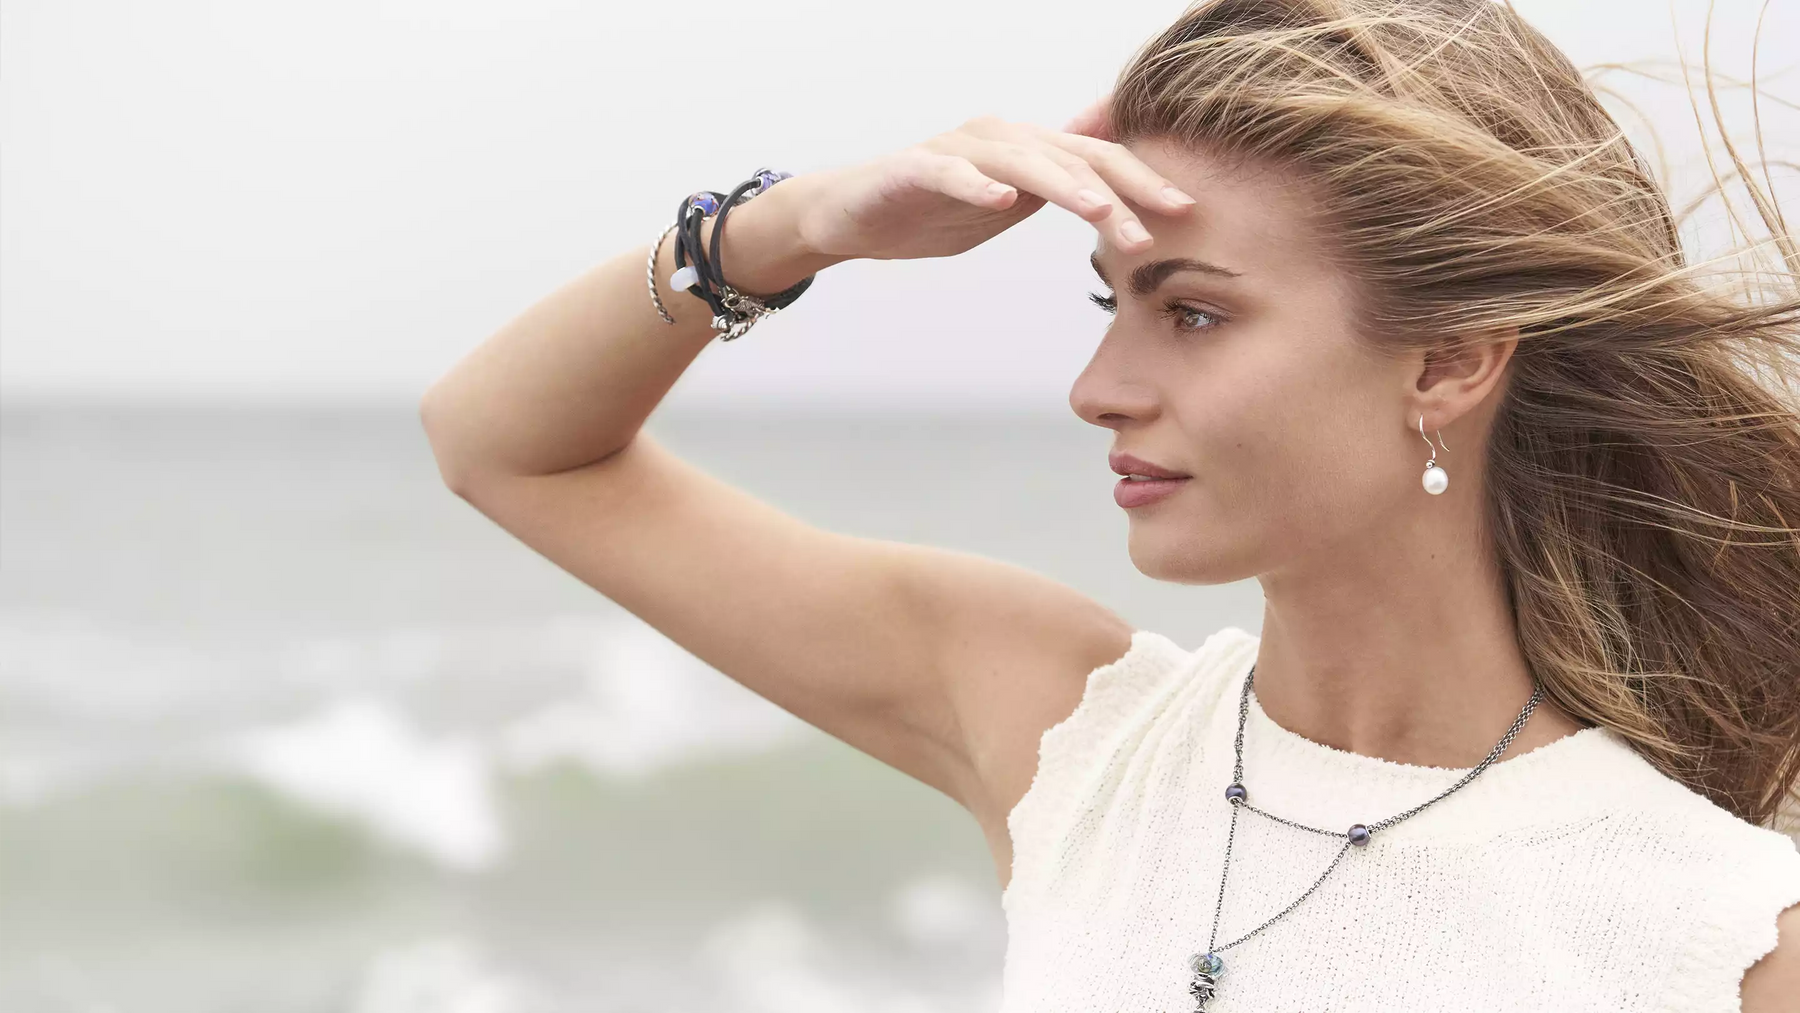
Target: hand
<point x="959" y="189"/>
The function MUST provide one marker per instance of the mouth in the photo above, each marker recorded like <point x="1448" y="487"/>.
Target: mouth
<point x="1136" y="491"/>
<point x="1144" y="483"/>
<point x="1136" y="469"/>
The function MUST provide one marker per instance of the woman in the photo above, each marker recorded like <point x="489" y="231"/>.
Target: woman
<point x="1519" y="707"/>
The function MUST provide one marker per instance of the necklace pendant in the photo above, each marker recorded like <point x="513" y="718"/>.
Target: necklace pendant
<point x="1203" y="987"/>
<point x="1206" y="968"/>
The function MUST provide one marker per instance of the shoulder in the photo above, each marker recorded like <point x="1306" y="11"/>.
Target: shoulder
<point x="1074" y="712"/>
<point x="1124" y="697"/>
<point x="1763" y="927"/>
<point x="1072" y="745"/>
<point x="1691" y="892"/>
<point x="1733" y="886"/>
<point x="1772" y="985"/>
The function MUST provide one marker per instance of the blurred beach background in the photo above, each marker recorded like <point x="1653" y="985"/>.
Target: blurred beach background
<point x="285" y="726"/>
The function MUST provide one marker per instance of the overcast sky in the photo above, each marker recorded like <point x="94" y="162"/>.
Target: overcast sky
<point x="343" y="197"/>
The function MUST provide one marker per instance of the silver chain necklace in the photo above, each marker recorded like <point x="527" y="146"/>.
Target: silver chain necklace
<point x="1207" y="966"/>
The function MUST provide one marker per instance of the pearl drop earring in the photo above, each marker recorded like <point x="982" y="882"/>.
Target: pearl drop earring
<point x="1434" y="479"/>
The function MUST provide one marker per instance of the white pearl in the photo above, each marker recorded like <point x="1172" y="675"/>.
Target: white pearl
<point x="1435" y="480"/>
<point x="684" y="279"/>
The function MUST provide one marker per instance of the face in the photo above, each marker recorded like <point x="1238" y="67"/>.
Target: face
<point x="1247" y="377"/>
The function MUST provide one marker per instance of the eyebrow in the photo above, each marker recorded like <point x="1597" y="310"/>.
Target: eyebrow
<point x="1146" y="277"/>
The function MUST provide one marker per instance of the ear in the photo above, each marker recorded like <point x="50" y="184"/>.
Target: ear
<point x="1461" y="374"/>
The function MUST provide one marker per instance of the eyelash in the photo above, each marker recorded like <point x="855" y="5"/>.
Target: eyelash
<point x="1174" y="309"/>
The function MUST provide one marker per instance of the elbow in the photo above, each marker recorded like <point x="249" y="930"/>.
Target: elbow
<point x="435" y="418"/>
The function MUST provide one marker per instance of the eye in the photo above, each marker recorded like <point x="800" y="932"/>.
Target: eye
<point x="1180" y="311"/>
<point x="1174" y="310"/>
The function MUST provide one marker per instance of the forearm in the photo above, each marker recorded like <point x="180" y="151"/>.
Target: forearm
<point x="572" y="379"/>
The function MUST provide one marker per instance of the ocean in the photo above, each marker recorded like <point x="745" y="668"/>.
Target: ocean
<point x="286" y="726"/>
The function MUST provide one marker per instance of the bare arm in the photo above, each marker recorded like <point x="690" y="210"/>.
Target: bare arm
<point x="571" y="380"/>
<point x="945" y="665"/>
<point x="1772" y="984"/>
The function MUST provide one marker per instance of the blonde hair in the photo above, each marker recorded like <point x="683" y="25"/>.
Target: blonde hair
<point x="1644" y="463"/>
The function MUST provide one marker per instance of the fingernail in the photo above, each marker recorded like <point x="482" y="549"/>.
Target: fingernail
<point x="1091" y="199"/>
<point x="1176" y="196"/>
<point x="999" y="189"/>
<point x="1132" y="231"/>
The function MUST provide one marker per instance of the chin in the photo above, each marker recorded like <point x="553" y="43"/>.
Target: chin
<point x="1183" y="555"/>
<point x="1160" y="557"/>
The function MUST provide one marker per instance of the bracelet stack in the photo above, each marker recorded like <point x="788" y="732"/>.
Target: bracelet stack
<point x="700" y="272"/>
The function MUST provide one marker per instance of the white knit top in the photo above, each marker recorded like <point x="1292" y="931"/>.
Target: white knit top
<point x="1572" y="877"/>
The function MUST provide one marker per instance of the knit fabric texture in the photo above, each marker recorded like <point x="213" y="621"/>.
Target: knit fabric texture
<point x="1575" y="876"/>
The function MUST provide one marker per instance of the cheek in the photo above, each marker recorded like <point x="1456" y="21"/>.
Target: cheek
<point x="1334" y="470"/>
<point x="1296" y="435"/>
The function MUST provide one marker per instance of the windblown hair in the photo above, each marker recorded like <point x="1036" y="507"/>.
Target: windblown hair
<point x="1643" y="470"/>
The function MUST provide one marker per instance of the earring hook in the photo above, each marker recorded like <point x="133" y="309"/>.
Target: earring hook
<point x="1427" y="439"/>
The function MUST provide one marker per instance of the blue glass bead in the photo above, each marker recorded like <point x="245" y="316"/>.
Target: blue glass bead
<point x="705" y="201"/>
<point x="1236" y="793"/>
<point x="1206" y="963"/>
<point x="1359" y="835"/>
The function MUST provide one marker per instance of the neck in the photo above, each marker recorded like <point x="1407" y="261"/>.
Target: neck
<point x="1400" y="647"/>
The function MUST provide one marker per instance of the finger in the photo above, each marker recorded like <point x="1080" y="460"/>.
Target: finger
<point x="1104" y="200"/>
<point x="956" y="176"/>
<point x="1030" y="168"/>
<point x="1124" y="172"/>
<point x="1101" y="196"/>
<point x="1122" y="222"/>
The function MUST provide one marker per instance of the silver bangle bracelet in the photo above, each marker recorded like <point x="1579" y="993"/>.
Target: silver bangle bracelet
<point x="650" y="273"/>
<point x="752" y="307"/>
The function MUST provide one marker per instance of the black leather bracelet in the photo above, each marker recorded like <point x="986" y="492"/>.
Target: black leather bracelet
<point x="702" y="270"/>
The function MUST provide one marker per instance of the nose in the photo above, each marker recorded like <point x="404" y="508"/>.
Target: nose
<point x="1107" y="394"/>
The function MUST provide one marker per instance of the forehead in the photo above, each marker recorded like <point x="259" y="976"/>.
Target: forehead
<point x="1256" y="219"/>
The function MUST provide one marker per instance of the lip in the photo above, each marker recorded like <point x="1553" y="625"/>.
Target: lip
<point x="1136" y="492"/>
<point x="1125" y="464"/>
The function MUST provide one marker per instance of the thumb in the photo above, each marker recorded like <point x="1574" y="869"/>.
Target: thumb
<point x="1094" y="121"/>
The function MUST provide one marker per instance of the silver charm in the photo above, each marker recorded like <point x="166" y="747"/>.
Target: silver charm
<point x="1206" y="968"/>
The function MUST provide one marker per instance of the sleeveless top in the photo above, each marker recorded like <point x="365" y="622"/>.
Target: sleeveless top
<point x="1575" y="876"/>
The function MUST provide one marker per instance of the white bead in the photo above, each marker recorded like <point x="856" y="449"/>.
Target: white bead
<point x="1435" y="480"/>
<point x="684" y="279"/>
